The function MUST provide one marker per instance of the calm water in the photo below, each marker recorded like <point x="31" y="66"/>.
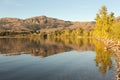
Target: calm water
<point x="81" y="59"/>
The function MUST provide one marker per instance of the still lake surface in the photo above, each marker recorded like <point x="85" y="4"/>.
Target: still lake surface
<point x="69" y="59"/>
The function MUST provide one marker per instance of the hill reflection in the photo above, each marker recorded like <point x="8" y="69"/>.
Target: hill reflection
<point x="44" y="48"/>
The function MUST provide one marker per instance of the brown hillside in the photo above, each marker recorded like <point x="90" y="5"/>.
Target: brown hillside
<point x="40" y="23"/>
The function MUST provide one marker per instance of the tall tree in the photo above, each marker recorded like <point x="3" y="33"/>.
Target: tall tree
<point x="104" y="21"/>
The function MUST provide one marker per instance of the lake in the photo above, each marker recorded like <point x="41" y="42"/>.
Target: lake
<point x="55" y="59"/>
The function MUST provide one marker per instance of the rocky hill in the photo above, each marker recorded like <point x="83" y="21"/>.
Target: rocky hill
<point x="40" y="23"/>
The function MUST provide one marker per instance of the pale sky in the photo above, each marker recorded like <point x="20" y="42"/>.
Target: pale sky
<point x="72" y="10"/>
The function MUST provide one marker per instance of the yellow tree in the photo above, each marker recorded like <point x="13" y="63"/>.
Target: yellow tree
<point x="104" y="22"/>
<point x="110" y="21"/>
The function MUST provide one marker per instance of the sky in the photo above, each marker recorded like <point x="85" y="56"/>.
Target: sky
<point x="71" y="10"/>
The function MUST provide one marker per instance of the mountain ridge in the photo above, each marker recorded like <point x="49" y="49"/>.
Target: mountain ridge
<point x="40" y="23"/>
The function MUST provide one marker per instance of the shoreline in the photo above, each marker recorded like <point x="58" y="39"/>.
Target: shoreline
<point x="110" y="44"/>
<point x="114" y="46"/>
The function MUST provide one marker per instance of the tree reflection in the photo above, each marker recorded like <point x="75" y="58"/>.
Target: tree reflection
<point x="103" y="58"/>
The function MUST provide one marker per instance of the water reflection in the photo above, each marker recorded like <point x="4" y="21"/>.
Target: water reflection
<point x="103" y="58"/>
<point x="36" y="48"/>
<point x="42" y="48"/>
<point x="45" y="48"/>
